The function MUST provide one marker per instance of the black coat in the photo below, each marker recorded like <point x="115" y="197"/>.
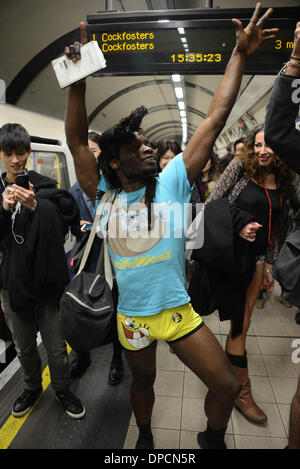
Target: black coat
<point x="284" y="139"/>
<point x="37" y="268"/>
<point x="224" y="266"/>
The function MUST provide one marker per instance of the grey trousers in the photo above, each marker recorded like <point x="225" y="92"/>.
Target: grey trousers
<point x="45" y="319"/>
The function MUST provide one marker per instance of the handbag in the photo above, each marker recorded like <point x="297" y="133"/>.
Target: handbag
<point x="87" y="308"/>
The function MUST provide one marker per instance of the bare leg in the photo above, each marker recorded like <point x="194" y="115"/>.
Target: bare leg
<point x="236" y="350"/>
<point x="294" y="427"/>
<point x="143" y="369"/>
<point x="237" y="345"/>
<point x="202" y="353"/>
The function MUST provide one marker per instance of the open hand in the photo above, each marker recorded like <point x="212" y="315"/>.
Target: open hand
<point x="250" y="38"/>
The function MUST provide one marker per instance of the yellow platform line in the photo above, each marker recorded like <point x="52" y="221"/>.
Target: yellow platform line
<point x="12" y="426"/>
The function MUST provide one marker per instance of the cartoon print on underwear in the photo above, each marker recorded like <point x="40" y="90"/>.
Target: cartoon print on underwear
<point x="137" y="336"/>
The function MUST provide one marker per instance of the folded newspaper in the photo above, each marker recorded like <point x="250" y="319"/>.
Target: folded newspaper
<point x="68" y="72"/>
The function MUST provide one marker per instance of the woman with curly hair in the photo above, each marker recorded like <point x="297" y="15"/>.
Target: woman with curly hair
<point x="257" y="186"/>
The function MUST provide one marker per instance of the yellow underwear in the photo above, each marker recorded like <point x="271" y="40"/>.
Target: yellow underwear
<point x="138" y="332"/>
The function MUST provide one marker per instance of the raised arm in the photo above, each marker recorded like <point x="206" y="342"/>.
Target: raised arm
<point x="248" y="40"/>
<point x="76" y="127"/>
<point x="282" y="110"/>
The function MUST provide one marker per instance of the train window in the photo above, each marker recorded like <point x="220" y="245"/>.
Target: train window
<point x="51" y="164"/>
<point x="48" y="163"/>
<point x="187" y="42"/>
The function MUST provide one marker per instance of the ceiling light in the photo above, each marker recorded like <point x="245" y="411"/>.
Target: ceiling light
<point x="163" y="21"/>
<point x="181" y="104"/>
<point x="183" y="120"/>
<point x="182" y="113"/>
<point x="181" y="30"/>
<point x="176" y="77"/>
<point x="183" y="39"/>
<point x="179" y="92"/>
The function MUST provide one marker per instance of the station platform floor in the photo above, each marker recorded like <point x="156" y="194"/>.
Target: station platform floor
<point x="179" y="407"/>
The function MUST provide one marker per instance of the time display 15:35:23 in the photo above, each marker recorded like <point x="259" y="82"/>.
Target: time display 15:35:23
<point x="193" y="57"/>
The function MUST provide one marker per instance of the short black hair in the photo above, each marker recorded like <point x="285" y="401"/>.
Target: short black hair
<point x="239" y="140"/>
<point x="14" y="137"/>
<point x="94" y="136"/>
<point x="165" y="145"/>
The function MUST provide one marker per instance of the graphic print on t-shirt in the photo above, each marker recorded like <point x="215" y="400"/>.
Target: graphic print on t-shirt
<point x="128" y="233"/>
<point x="150" y="265"/>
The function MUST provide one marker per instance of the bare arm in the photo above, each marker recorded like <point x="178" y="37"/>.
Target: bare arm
<point x="201" y="144"/>
<point x="76" y="127"/>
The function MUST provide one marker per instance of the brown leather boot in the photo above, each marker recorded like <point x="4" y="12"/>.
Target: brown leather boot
<point x="245" y="402"/>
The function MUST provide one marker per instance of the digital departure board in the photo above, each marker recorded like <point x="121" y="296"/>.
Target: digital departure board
<point x="190" y="42"/>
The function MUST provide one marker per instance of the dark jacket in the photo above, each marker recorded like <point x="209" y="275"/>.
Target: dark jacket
<point x="224" y="266"/>
<point x="86" y="208"/>
<point x="279" y="129"/>
<point x="37" y="268"/>
<point x="284" y="139"/>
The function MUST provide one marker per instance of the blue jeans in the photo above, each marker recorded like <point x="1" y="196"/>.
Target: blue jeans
<point x="45" y="318"/>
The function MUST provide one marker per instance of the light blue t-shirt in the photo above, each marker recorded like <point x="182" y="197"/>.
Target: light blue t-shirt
<point x="150" y="266"/>
<point x="103" y="186"/>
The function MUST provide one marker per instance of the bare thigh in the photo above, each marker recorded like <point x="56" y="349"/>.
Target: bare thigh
<point x="251" y="296"/>
<point x="143" y="365"/>
<point x="203" y="354"/>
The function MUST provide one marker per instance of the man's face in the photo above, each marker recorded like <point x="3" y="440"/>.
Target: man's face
<point x="14" y="162"/>
<point x="137" y="160"/>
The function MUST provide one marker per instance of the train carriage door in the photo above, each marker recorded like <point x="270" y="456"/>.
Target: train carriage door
<point x="50" y="161"/>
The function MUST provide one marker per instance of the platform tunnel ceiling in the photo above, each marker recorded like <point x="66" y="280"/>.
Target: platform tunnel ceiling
<point x="30" y="28"/>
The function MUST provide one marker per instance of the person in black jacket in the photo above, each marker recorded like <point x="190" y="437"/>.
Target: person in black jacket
<point x="284" y="138"/>
<point x="33" y="223"/>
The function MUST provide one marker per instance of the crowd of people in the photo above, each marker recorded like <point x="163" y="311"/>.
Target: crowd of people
<point x="247" y="192"/>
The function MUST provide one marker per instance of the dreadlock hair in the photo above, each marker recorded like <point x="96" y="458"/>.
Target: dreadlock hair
<point x="110" y="143"/>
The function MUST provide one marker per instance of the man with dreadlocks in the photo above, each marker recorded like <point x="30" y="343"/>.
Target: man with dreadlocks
<point x="148" y="308"/>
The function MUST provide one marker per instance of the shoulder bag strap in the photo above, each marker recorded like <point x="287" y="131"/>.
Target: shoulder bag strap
<point x="90" y="240"/>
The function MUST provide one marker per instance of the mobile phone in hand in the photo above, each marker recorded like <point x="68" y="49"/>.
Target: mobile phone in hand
<point x="22" y="180"/>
